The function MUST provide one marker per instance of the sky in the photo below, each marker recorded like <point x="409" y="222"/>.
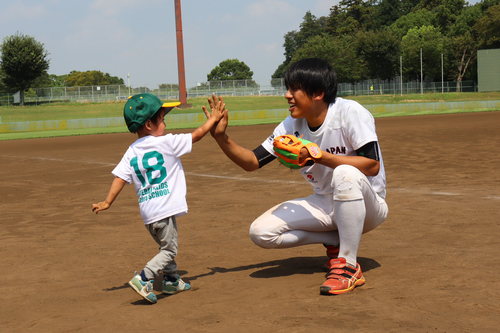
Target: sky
<point x="138" y="37"/>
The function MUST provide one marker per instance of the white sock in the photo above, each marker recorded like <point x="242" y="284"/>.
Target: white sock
<point x="350" y="217"/>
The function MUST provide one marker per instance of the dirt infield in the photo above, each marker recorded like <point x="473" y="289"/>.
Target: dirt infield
<point x="431" y="267"/>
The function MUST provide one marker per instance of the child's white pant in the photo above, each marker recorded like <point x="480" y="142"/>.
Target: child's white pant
<point x="355" y="208"/>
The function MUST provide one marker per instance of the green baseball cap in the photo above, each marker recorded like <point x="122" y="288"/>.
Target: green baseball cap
<point x="141" y="107"/>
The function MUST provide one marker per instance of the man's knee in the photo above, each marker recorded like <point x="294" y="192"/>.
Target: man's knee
<point x="261" y="236"/>
<point x="347" y="183"/>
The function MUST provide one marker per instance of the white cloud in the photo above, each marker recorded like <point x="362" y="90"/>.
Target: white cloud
<point x="138" y="36"/>
<point x="261" y="9"/>
<point x="19" y="11"/>
<point x="114" y="7"/>
<point x="271" y="49"/>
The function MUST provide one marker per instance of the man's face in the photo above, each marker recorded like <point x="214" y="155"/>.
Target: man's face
<point x="300" y="103"/>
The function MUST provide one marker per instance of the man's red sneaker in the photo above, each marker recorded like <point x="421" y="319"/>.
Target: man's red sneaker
<point x="341" y="278"/>
<point x="332" y="252"/>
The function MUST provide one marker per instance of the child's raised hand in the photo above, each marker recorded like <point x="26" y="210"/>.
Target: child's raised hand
<point x="217" y="107"/>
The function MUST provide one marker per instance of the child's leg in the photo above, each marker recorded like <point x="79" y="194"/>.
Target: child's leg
<point x="164" y="232"/>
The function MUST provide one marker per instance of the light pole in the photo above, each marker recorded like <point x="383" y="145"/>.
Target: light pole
<point x="442" y="75"/>
<point x="401" y="72"/>
<point x="128" y="77"/>
<point x="180" y="56"/>
<point x="421" y="75"/>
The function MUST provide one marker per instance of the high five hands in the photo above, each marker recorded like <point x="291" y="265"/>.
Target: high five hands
<point x="220" y="127"/>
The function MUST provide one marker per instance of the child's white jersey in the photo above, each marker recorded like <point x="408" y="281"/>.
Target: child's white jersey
<point x="153" y="164"/>
<point x="347" y="127"/>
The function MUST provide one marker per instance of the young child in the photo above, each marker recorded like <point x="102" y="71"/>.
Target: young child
<point x="348" y="178"/>
<point x="153" y="164"/>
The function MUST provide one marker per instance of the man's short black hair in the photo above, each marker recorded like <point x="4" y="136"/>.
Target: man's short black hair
<point x="313" y="75"/>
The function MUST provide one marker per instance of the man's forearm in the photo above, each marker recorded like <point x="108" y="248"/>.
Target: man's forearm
<point x="241" y="156"/>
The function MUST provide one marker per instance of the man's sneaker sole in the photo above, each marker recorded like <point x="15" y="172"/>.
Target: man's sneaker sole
<point x="342" y="278"/>
<point x="327" y="290"/>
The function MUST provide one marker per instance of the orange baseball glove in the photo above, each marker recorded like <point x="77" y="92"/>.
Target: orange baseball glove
<point x="288" y="147"/>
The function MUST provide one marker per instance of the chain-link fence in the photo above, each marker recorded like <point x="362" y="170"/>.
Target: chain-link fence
<point x="273" y="87"/>
<point x="6" y="99"/>
<point x="396" y="87"/>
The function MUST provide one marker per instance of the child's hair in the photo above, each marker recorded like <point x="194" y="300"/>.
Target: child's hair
<point x="156" y="117"/>
<point x="312" y="75"/>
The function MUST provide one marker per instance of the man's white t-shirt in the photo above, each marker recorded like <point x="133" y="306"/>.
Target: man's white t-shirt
<point x="348" y="126"/>
<point x="153" y="164"/>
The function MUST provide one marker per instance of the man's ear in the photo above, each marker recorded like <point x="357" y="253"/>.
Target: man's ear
<point x="319" y="96"/>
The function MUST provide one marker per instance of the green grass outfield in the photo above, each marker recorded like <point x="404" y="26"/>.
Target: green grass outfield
<point x="60" y="111"/>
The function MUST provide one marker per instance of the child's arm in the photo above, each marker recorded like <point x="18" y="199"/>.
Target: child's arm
<point x="115" y="189"/>
<point x="218" y="109"/>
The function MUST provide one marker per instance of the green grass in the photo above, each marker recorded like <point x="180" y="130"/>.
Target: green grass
<point x="418" y="98"/>
<point x="49" y="134"/>
<point x="64" y="111"/>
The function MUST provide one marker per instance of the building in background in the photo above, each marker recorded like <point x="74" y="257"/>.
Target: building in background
<point x="488" y="70"/>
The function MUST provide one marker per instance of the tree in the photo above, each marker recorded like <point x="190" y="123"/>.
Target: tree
<point x="230" y="69"/>
<point x="91" y="78"/>
<point x="430" y="40"/>
<point x="464" y="23"/>
<point x="350" y="16"/>
<point x="291" y="45"/>
<point x="279" y="73"/>
<point x="3" y="87"/>
<point x="387" y="12"/>
<point x="380" y="52"/>
<point x="463" y="54"/>
<point x="488" y="28"/>
<point x="448" y="12"/>
<point x="172" y="86"/>
<point x="338" y="52"/>
<point x="23" y="60"/>
<point x="462" y="44"/>
<point x="486" y="4"/>
<point x="415" y="19"/>
<point x="407" y="6"/>
<point x="310" y="27"/>
<point x="50" y="80"/>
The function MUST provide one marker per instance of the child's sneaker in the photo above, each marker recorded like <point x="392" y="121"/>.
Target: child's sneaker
<point x="341" y="278"/>
<point x="145" y="289"/>
<point x="178" y="285"/>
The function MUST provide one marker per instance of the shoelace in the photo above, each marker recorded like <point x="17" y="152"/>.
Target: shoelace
<point x="148" y="285"/>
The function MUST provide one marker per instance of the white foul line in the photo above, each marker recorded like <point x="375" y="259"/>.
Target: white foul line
<point x="187" y="173"/>
<point x="243" y="178"/>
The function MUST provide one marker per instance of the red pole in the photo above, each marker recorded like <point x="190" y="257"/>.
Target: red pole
<point x="180" y="55"/>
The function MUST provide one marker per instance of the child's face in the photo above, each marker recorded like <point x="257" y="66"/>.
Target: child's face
<point x="159" y="128"/>
<point x="300" y="103"/>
